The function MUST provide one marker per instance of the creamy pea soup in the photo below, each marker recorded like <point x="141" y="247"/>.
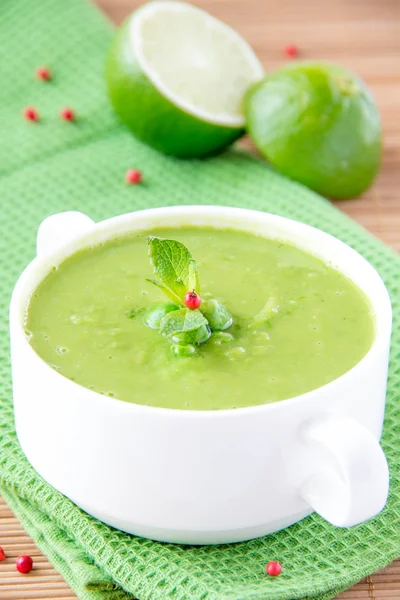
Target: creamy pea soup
<point x="297" y="322"/>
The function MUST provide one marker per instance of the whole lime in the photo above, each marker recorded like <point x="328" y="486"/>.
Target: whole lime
<point x="318" y="124"/>
<point x="176" y="77"/>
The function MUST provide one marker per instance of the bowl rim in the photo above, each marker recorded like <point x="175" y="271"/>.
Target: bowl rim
<point x="20" y="295"/>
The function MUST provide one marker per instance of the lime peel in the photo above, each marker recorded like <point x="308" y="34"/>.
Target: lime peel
<point x="211" y="27"/>
<point x="318" y="124"/>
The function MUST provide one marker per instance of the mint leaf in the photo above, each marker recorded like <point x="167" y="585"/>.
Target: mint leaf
<point x="193" y="277"/>
<point x="185" y="326"/>
<point x="166" y="291"/>
<point x="172" y="263"/>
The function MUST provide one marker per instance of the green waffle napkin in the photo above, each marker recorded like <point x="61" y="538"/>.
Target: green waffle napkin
<point x="55" y="166"/>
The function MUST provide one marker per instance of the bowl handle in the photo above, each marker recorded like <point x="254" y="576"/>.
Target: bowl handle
<point x="353" y="483"/>
<point x="59" y="229"/>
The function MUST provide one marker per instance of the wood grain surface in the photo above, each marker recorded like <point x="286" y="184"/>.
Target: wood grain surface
<point x="363" y="35"/>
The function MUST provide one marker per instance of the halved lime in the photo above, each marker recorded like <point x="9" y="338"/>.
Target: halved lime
<point x="318" y="124"/>
<point x="177" y="76"/>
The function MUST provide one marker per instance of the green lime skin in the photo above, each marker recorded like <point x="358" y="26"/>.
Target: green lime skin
<point x="318" y="124"/>
<point x="151" y="116"/>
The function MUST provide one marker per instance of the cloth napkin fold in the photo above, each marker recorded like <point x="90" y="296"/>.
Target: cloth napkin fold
<point x="52" y="166"/>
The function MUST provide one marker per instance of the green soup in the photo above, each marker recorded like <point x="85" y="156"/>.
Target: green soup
<point x="86" y="320"/>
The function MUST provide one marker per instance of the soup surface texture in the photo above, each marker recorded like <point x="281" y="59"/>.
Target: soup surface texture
<point x="86" y="320"/>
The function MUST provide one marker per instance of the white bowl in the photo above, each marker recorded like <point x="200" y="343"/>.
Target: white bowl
<point x="205" y="477"/>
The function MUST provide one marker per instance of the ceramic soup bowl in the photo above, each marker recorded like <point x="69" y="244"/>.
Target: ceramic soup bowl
<point x="205" y="477"/>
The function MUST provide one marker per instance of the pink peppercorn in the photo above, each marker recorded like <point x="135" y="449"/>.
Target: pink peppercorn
<point x="291" y="51"/>
<point x="67" y="114"/>
<point x="30" y="113"/>
<point x="24" y="564"/>
<point x="192" y="300"/>
<point x="273" y="568"/>
<point x="43" y="73"/>
<point x="133" y="176"/>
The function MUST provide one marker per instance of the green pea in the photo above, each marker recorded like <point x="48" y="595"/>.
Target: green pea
<point x="237" y="352"/>
<point x="217" y="315"/>
<point x="222" y="337"/>
<point x="153" y="316"/>
<point x="183" y="350"/>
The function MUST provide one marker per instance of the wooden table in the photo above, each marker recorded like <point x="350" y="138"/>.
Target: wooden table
<point x="361" y="34"/>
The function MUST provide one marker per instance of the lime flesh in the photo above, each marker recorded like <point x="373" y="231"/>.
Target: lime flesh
<point x="176" y="77"/>
<point x="318" y="124"/>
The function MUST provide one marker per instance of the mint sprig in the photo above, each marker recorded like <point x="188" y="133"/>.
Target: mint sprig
<point x="177" y="274"/>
